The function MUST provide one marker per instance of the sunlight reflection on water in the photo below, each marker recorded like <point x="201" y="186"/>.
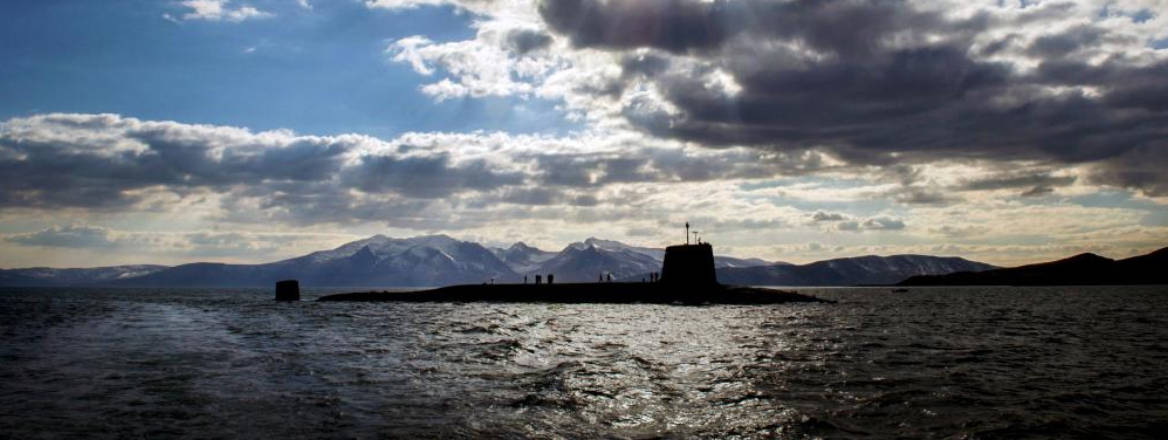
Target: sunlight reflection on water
<point x="987" y="362"/>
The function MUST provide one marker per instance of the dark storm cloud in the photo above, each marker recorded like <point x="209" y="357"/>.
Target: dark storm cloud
<point x="523" y="41"/>
<point x="644" y="64"/>
<point x="424" y="177"/>
<point x="674" y="25"/>
<point x="671" y="165"/>
<point x="1142" y="169"/>
<point x="886" y="78"/>
<point x="194" y="161"/>
<point x="1030" y="184"/>
<point x="847" y="28"/>
<point x="1058" y="45"/>
<point x="1017" y="181"/>
<point x="859" y="104"/>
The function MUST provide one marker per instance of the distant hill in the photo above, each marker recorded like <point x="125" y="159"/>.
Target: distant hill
<point x="1082" y="269"/>
<point x="870" y="269"/>
<point x="47" y="276"/>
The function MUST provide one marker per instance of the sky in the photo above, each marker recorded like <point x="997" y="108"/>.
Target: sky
<point x="167" y="132"/>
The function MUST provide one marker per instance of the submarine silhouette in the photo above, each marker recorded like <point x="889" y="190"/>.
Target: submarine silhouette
<point x="687" y="277"/>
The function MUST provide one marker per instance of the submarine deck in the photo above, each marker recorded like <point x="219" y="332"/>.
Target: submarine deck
<point x="652" y="293"/>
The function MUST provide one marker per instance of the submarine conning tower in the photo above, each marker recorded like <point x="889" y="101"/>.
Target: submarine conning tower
<point x="689" y="264"/>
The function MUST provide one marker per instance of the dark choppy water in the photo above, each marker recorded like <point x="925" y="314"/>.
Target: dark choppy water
<point x="957" y="362"/>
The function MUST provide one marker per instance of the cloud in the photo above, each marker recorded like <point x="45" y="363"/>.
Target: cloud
<point x="964" y="231"/>
<point x="674" y="25"/>
<point x="907" y="83"/>
<point x="1034" y="184"/>
<point x="1141" y="169"/>
<point x="106" y="169"/>
<point x="218" y="10"/>
<point x="842" y="222"/>
<point x="473" y="68"/>
<point x="108" y="161"/>
<point x="402" y="4"/>
<point x="522" y="41"/>
<point x="424" y="177"/>
<point x="762" y="116"/>
<point x="1037" y="191"/>
<point x="99" y="160"/>
<point x="821" y="216"/>
<point x="197" y="244"/>
<point x="871" y="224"/>
<point x="74" y="236"/>
<point x="661" y="164"/>
<point x="919" y="195"/>
<point x="1009" y="181"/>
<point x="883" y="224"/>
<point x="1062" y="44"/>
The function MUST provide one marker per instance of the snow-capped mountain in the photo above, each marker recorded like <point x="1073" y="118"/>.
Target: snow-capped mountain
<point x="721" y="262"/>
<point x="522" y="258"/>
<point x="616" y="246"/>
<point x="594" y="258"/>
<point x="579" y="264"/>
<point x="431" y="260"/>
<point x="870" y="269"/>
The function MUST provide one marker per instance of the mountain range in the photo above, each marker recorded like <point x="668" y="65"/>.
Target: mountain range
<point x="435" y="260"/>
<point x="869" y="269"/>
<point x="1082" y="269"/>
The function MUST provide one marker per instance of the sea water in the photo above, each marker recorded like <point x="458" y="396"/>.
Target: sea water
<point x="931" y="362"/>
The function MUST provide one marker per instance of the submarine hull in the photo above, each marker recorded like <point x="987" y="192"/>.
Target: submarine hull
<point x="613" y="293"/>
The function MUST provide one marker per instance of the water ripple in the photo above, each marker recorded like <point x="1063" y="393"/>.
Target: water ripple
<point x="972" y="363"/>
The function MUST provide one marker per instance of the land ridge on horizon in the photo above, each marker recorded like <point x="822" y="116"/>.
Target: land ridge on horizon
<point x="434" y="260"/>
<point x="1082" y="269"/>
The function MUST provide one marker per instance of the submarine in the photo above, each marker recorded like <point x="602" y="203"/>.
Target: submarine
<point x="687" y="277"/>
